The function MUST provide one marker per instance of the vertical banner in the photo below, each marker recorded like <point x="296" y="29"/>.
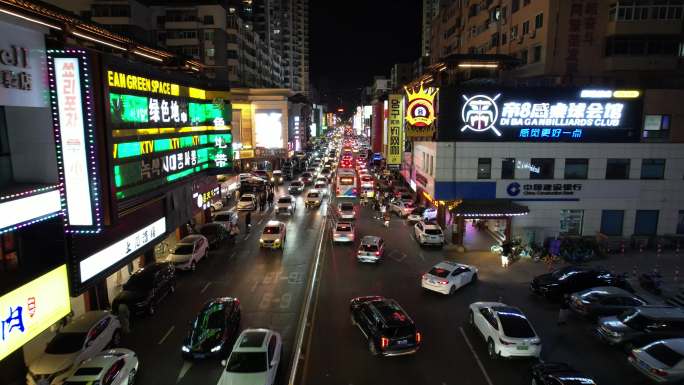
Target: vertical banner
<point x="73" y="123"/>
<point x="395" y="128"/>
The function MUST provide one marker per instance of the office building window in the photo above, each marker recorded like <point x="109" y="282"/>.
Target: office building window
<point x="526" y="27"/>
<point x="536" y="54"/>
<point x="656" y="126"/>
<point x="617" y="169"/>
<point x="652" y="168"/>
<point x="209" y="35"/>
<point x="571" y="222"/>
<point x="541" y="168"/>
<point x="611" y="222"/>
<point x="539" y="21"/>
<point x="209" y="52"/>
<point x="484" y="168"/>
<point x="576" y="168"/>
<point x="646" y="222"/>
<point x="508" y="168"/>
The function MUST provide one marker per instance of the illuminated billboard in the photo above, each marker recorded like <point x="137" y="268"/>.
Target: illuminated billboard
<point x="539" y="115"/>
<point x="30" y="309"/>
<point x="269" y="128"/>
<point x="420" y="111"/>
<point x="395" y="130"/>
<point x="162" y="132"/>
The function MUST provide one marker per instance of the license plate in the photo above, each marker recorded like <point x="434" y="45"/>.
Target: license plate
<point x="200" y="355"/>
<point x="524" y="347"/>
<point x="402" y="342"/>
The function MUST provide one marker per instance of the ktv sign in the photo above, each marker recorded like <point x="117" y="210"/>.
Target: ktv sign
<point x="539" y="115"/>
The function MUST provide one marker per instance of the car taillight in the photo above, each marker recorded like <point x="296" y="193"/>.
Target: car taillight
<point x="354" y="190"/>
<point x="506" y="342"/>
<point x="443" y="282"/>
<point x="419" y="337"/>
<point x="377" y="253"/>
<point x="659" y="372"/>
<point x="384" y="342"/>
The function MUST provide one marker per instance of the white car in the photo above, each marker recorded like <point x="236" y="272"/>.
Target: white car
<point x="661" y="361"/>
<point x="225" y="218"/>
<point x="273" y="236"/>
<point x="189" y="251"/>
<point x="344" y="232"/>
<point x="430" y="214"/>
<point x="346" y="210"/>
<point x="82" y="338"/>
<point x="505" y="329"/>
<point x="313" y="198"/>
<point x="322" y="187"/>
<point x="428" y="234"/>
<point x="401" y="208"/>
<point x="286" y="204"/>
<point x="446" y="277"/>
<point x="416" y="215"/>
<point x="371" y="249"/>
<point x="247" y="202"/>
<point x="111" y="367"/>
<point x="254" y="359"/>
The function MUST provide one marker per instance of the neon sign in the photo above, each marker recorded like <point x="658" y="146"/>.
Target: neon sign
<point x="140" y="83"/>
<point x="420" y="111"/>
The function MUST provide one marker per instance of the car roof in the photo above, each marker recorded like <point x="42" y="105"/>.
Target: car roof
<point x="191" y="239"/>
<point x="370" y="240"/>
<point x="506" y="309"/>
<point x="254" y="340"/>
<point x="85" y="321"/>
<point x="430" y="225"/>
<point x="105" y="359"/>
<point x="676" y="344"/>
<point x="285" y="196"/>
<point x="392" y="313"/>
<point x="274" y="223"/>
<point x="449" y="265"/>
<point x="151" y="268"/>
<point x="607" y="290"/>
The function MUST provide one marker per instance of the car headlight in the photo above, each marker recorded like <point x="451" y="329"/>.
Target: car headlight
<point x="277" y="241"/>
<point x="185" y="349"/>
<point x="216" y="348"/>
<point x="272" y="179"/>
<point x="261" y="241"/>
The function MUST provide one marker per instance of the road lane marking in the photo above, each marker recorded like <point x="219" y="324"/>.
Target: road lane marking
<point x="186" y="366"/>
<point x="205" y="288"/>
<point x="477" y="359"/>
<point x="166" y="335"/>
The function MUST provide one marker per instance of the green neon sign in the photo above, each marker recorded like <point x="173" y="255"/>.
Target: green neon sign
<point x="143" y="147"/>
<point x="128" y="108"/>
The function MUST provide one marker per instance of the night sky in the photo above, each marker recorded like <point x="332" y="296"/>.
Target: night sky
<point x="353" y="40"/>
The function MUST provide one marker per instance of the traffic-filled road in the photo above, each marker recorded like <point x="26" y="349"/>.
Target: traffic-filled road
<point x="269" y="284"/>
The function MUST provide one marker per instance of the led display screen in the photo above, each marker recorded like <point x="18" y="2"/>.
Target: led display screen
<point x="538" y="115"/>
<point x="269" y="128"/>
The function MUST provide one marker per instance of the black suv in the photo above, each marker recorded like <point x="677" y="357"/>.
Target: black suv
<point x="387" y="327"/>
<point x="571" y="279"/>
<point x="146" y="288"/>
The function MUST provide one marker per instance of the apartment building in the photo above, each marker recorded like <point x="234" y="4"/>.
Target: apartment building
<point x="295" y="44"/>
<point x="430" y="9"/>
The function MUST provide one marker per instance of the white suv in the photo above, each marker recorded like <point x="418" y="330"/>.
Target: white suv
<point x="505" y="329"/>
<point x="254" y="359"/>
<point x="247" y="202"/>
<point x="428" y="234"/>
<point x="286" y="205"/>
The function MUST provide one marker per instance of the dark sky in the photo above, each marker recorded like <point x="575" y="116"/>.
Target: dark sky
<point x="353" y="40"/>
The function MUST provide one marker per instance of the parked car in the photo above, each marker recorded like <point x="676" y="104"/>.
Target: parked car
<point x="214" y="329"/>
<point x="296" y="187"/>
<point x="603" y="301"/>
<point x="344" y="232"/>
<point x="277" y="177"/>
<point x="313" y="198"/>
<point x="416" y="215"/>
<point x="642" y="325"/>
<point x="225" y="218"/>
<point x="274" y="235"/>
<point x="505" y="329"/>
<point x="558" y="373"/>
<point x="214" y="232"/>
<point x="428" y="234"/>
<point x="346" y="210"/>
<point x="430" y="214"/>
<point x="247" y="202"/>
<point x="661" y="361"/>
<point x="401" y="208"/>
<point x="244" y="176"/>
<point x="110" y="367"/>
<point x="255" y="358"/>
<point x="146" y="288"/>
<point x="571" y="279"/>
<point x="387" y="327"/>
<point x="371" y="249"/>
<point x="286" y="204"/>
<point x="446" y="277"/>
<point x="306" y="178"/>
<point x="189" y="251"/>
<point x="82" y="338"/>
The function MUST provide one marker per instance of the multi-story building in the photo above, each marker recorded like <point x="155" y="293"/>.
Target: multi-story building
<point x="430" y="9"/>
<point x="295" y="44"/>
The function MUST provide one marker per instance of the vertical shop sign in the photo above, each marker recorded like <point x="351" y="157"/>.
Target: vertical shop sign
<point x="395" y="129"/>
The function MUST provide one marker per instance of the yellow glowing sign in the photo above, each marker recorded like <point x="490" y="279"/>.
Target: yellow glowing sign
<point x="197" y="93"/>
<point x="140" y="83"/>
<point x="30" y="309"/>
<point x="626" y="94"/>
<point x="420" y="110"/>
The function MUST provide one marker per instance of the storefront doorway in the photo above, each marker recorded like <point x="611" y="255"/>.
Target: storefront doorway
<point x="481" y="234"/>
<point x="481" y="224"/>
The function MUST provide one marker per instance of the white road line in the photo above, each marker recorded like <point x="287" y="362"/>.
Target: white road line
<point x="477" y="359"/>
<point x="205" y="287"/>
<point x="186" y="366"/>
<point x="166" y="335"/>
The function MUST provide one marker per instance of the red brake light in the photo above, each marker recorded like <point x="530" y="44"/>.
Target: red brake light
<point x="443" y="282"/>
<point x="659" y="372"/>
<point x="377" y="253"/>
<point x="384" y="342"/>
<point x="418" y="337"/>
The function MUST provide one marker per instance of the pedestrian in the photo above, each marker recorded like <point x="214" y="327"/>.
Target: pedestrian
<point x="248" y="221"/>
<point x="564" y="309"/>
<point x="234" y="231"/>
<point x="124" y="318"/>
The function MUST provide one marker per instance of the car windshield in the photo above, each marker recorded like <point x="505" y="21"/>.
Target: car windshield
<point x="564" y="273"/>
<point x="247" y="362"/>
<point x="246" y="199"/>
<point x="515" y="325"/>
<point x="138" y="282"/>
<point x="401" y="331"/>
<point x="65" y="343"/>
<point x="212" y="317"/>
<point x="296" y="184"/>
<point x="313" y="195"/>
<point x="664" y="354"/>
<point x="367" y="247"/>
<point x="271" y="230"/>
<point x="634" y="319"/>
<point x="222" y="218"/>
<point x="439" y="272"/>
<point x="285" y="200"/>
<point x="183" y="249"/>
<point x="433" y="231"/>
<point x="346" y="207"/>
<point x="344" y="227"/>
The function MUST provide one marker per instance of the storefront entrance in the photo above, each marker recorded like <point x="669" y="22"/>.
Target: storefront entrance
<point x="481" y="224"/>
<point x="481" y="234"/>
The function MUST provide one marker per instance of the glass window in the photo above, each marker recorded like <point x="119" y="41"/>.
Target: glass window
<point x="508" y="168"/>
<point x="617" y="169"/>
<point x="541" y="168"/>
<point x="536" y="54"/>
<point x="652" y="168"/>
<point x="515" y="5"/>
<point x="646" y="222"/>
<point x="576" y="168"/>
<point x="611" y="222"/>
<point x="539" y="21"/>
<point x="514" y="32"/>
<point x="484" y="168"/>
<point x="526" y="27"/>
<point x="571" y="222"/>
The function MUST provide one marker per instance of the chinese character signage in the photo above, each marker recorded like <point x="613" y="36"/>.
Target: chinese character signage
<point x="73" y="123"/>
<point x="420" y="112"/>
<point x="28" y="310"/>
<point x="163" y="132"/>
<point x="395" y="130"/>
<point x="539" y="115"/>
<point x="531" y="189"/>
<point x="22" y="67"/>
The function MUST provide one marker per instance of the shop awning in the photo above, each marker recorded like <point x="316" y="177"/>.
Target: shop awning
<point x="489" y="208"/>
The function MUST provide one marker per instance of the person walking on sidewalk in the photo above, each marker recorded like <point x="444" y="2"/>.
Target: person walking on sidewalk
<point x="270" y="199"/>
<point x="124" y="318"/>
<point x="564" y="310"/>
